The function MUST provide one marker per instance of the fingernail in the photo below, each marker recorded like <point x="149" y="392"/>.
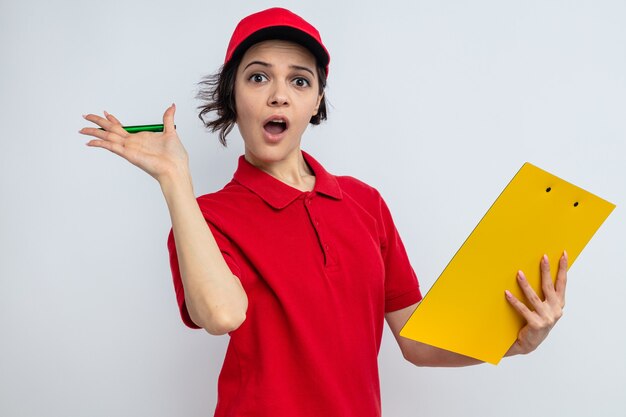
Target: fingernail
<point x="564" y="254"/>
<point x="84" y="116"/>
<point x="105" y="113"/>
<point x="545" y="258"/>
<point x="508" y="294"/>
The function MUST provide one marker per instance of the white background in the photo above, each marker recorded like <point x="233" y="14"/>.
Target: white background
<point x="435" y="103"/>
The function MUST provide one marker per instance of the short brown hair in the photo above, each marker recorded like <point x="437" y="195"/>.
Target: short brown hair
<point x="218" y="93"/>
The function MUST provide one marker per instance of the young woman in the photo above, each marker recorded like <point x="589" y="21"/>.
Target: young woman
<point x="300" y="267"/>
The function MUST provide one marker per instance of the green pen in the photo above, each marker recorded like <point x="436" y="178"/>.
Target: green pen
<point x="142" y="128"/>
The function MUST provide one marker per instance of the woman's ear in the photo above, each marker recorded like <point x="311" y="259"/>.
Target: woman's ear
<point x="317" y="105"/>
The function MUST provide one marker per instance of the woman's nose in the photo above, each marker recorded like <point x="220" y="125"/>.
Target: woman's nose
<point x="278" y="96"/>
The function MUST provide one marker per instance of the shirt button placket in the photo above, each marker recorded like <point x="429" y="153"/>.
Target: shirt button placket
<point x="316" y="223"/>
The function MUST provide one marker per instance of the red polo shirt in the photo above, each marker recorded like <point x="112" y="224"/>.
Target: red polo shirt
<point x="320" y="269"/>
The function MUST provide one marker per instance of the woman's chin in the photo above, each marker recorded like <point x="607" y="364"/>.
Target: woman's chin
<point x="269" y="153"/>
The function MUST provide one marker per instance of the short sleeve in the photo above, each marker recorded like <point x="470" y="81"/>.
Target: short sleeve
<point x="227" y="250"/>
<point x="401" y="284"/>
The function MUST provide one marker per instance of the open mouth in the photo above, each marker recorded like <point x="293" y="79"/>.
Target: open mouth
<point x="275" y="127"/>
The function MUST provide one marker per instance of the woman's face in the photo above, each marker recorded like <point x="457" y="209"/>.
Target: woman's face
<point x="276" y="94"/>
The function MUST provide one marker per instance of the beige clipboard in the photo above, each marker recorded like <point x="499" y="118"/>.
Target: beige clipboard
<point x="466" y="311"/>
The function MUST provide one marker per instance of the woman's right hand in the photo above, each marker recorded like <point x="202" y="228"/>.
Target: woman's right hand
<point x="159" y="154"/>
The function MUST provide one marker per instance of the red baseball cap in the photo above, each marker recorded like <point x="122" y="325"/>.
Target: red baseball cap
<point x="276" y="23"/>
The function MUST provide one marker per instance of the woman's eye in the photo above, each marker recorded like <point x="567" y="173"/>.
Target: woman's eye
<point x="301" y="82"/>
<point x="258" y="78"/>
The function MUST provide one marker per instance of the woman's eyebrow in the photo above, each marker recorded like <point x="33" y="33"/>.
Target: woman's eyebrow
<point x="299" y="67"/>
<point x="265" y="64"/>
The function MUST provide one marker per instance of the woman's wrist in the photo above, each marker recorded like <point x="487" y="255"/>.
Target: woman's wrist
<point x="174" y="180"/>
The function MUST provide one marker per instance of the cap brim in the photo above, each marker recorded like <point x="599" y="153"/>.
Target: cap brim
<point x="287" y="33"/>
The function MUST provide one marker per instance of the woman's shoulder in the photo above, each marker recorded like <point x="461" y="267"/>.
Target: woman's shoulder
<point x="357" y="188"/>
<point x="229" y="199"/>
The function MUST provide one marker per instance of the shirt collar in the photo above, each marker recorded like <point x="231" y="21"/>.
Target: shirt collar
<point x="278" y="194"/>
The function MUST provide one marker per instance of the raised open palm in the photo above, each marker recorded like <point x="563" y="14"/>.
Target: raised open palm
<point x="156" y="153"/>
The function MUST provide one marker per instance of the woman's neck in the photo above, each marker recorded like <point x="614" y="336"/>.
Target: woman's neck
<point x="293" y="170"/>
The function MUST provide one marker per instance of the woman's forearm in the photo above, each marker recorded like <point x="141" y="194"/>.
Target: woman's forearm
<point x="214" y="297"/>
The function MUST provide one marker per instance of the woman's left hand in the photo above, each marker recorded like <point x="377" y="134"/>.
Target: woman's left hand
<point x="544" y="313"/>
